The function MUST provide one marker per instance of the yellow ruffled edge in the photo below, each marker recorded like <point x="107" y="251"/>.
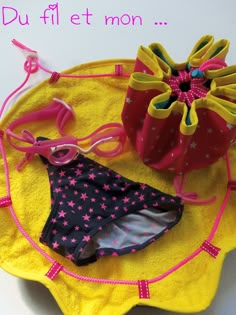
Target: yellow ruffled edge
<point x="223" y="108"/>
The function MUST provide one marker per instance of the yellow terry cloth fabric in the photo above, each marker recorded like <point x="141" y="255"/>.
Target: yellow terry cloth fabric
<point x="189" y="289"/>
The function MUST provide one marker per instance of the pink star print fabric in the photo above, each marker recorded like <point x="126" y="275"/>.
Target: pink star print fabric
<point x="94" y="210"/>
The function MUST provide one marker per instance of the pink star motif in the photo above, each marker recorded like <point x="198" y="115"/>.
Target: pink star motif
<point x="61" y="203"/>
<point x="59" y="181"/>
<point x="114" y="198"/>
<point x="116" y="208"/>
<point x="126" y="200"/>
<point x="91" y="210"/>
<point x="71" y="203"/>
<point x="141" y="198"/>
<point x="73" y="240"/>
<point x="64" y="238"/>
<point x="57" y="190"/>
<point x="86" y="238"/>
<point x="51" y="182"/>
<point x="106" y="187"/>
<point x="92" y="176"/>
<point x="80" y="165"/>
<point x="78" y="172"/>
<point x="65" y="223"/>
<point x="103" y="206"/>
<point x="133" y="203"/>
<point x="55" y="245"/>
<point x="136" y="193"/>
<point x="118" y="176"/>
<point x="70" y="257"/>
<point x="143" y="186"/>
<point x="125" y="209"/>
<point x="93" y="199"/>
<point x="83" y="196"/>
<point x="114" y="254"/>
<point x="64" y="196"/>
<point x="62" y="214"/>
<point x="80" y="208"/>
<point x="145" y="206"/>
<point x="54" y="232"/>
<point x="154" y="194"/>
<point x="75" y="192"/>
<point x="62" y="173"/>
<point x="104" y="198"/>
<point x="96" y="191"/>
<point x="51" y="173"/>
<point x="54" y="220"/>
<point x="86" y="217"/>
<point x="163" y="198"/>
<point x="73" y="182"/>
<point x="76" y="228"/>
<point x="102" y="253"/>
<point x="113" y="216"/>
<point x="99" y="217"/>
<point x="155" y="204"/>
<point x="86" y="185"/>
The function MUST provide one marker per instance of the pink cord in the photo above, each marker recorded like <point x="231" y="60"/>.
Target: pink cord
<point x="37" y="65"/>
<point x="179" y="182"/>
<point x="17" y="89"/>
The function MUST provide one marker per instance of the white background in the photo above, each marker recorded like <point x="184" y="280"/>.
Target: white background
<point x="65" y="45"/>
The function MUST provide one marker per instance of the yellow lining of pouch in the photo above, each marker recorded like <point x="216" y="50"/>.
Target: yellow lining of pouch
<point x="162" y="113"/>
<point x="223" y="45"/>
<point x="210" y="51"/>
<point x="207" y="103"/>
<point x="147" y="57"/>
<point x="227" y="109"/>
<point x="168" y="62"/>
<point x="196" y="55"/>
<point x="220" y="73"/>
<point x="142" y="82"/>
<point x="220" y="82"/>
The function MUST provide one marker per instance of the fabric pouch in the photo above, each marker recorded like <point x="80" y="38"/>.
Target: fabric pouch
<point x="181" y="117"/>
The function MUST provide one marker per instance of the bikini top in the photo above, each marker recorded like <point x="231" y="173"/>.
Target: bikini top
<point x="63" y="150"/>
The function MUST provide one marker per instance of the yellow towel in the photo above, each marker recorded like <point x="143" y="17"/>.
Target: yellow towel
<point x="189" y="289"/>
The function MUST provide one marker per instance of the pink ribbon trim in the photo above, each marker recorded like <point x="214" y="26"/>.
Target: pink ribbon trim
<point x="143" y="289"/>
<point x="210" y="249"/>
<point x="54" y="270"/>
<point x="5" y="201"/>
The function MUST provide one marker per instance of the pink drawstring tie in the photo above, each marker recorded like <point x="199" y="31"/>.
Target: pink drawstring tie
<point x="179" y="182"/>
<point x="189" y="85"/>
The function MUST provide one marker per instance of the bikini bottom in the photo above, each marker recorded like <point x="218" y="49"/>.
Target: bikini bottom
<point x="97" y="212"/>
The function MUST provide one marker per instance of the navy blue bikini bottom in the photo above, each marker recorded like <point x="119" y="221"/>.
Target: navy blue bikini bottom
<point x="97" y="212"/>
